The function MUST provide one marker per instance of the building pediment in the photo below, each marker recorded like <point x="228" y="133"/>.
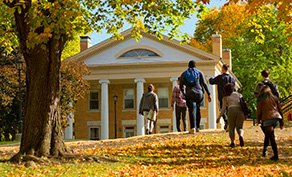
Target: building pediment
<point x="111" y="51"/>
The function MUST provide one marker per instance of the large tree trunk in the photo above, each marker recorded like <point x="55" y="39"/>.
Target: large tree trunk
<point x="42" y="134"/>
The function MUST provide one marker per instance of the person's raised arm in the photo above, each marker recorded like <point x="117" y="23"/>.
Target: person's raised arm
<point x="214" y="80"/>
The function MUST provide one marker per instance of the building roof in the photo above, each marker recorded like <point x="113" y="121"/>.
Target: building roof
<point x="175" y="44"/>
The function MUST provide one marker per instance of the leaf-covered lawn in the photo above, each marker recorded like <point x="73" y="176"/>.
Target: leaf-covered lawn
<point x="178" y="154"/>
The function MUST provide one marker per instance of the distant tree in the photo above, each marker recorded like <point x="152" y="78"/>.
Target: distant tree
<point x="73" y="87"/>
<point x="229" y="21"/>
<point x="258" y="41"/>
<point x="263" y="46"/>
<point x="71" y="47"/>
<point x="9" y="95"/>
<point x="72" y="82"/>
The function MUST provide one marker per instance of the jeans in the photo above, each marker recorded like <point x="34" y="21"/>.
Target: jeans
<point x="192" y="105"/>
<point x="180" y="113"/>
<point x="198" y="115"/>
<point x="224" y="115"/>
<point x="194" y="112"/>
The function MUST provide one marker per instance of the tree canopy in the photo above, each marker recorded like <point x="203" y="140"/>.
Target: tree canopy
<point x="258" y="41"/>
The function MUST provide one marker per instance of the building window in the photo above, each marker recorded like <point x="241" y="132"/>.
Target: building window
<point x="94" y="133"/>
<point x="163" y="95"/>
<point x="129" y="99"/>
<point x="164" y="129"/>
<point x="129" y="131"/>
<point x="93" y="100"/>
<point x="139" y="53"/>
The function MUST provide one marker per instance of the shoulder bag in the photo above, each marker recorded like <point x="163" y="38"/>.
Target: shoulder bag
<point x="244" y="107"/>
<point x="151" y="114"/>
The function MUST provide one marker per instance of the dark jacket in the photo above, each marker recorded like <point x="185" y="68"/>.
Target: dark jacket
<point x="269" y="83"/>
<point x="221" y="80"/>
<point x="194" y="91"/>
<point x="146" y="104"/>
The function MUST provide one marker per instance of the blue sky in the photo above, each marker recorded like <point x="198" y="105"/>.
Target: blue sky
<point x="188" y="27"/>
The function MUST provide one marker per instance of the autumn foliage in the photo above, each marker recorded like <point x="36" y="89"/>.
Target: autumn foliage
<point x="175" y="154"/>
<point x="9" y="95"/>
<point x="228" y="21"/>
<point x="73" y="87"/>
<point x="72" y="84"/>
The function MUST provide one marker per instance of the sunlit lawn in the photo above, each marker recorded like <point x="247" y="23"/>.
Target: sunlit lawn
<point x="8" y="142"/>
<point x="196" y="155"/>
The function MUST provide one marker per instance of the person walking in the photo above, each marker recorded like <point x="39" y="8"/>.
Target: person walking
<point x="269" y="115"/>
<point x="195" y="83"/>
<point x="221" y="80"/>
<point x="266" y="81"/>
<point x="180" y="107"/>
<point x="235" y="114"/>
<point x="274" y="89"/>
<point x="149" y="103"/>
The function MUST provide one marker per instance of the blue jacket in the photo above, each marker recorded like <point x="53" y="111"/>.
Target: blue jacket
<point x="194" y="91"/>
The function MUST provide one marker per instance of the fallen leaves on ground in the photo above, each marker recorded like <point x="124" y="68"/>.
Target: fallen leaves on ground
<point x="177" y="154"/>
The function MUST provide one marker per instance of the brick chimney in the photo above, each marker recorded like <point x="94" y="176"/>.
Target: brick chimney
<point x="85" y="42"/>
<point x="227" y="57"/>
<point x="217" y="45"/>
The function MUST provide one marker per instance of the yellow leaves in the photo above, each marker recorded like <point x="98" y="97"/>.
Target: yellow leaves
<point x="140" y="24"/>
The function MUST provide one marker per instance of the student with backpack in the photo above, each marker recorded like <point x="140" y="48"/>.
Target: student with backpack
<point x="269" y="115"/>
<point x="195" y="83"/>
<point x="221" y="80"/>
<point x="266" y="81"/>
<point x="257" y="93"/>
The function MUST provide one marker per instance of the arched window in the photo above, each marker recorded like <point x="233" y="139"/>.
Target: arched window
<point x="138" y="53"/>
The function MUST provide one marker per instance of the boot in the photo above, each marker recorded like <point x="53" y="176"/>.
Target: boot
<point x="232" y="145"/>
<point x="265" y="152"/>
<point x="241" y="142"/>
<point x="274" y="158"/>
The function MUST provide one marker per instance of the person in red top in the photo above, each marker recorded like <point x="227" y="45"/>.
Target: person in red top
<point x="269" y="115"/>
<point x="180" y="107"/>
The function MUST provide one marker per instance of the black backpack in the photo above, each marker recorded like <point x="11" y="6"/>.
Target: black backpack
<point x="272" y="87"/>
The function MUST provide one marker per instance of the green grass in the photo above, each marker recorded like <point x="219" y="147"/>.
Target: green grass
<point x="9" y="142"/>
<point x="70" y="170"/>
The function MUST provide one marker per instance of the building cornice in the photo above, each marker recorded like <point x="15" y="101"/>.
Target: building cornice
<point x="150" y="65"/>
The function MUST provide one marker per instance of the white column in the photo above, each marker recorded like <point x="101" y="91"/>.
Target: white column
<point x="69" y="128"/>
<point x="140" y="119"/>
<point x="174" y="83"/>
<point x="212" y="106"/>
<point x="68" y="134"/>
<point x="104" y="109"/>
